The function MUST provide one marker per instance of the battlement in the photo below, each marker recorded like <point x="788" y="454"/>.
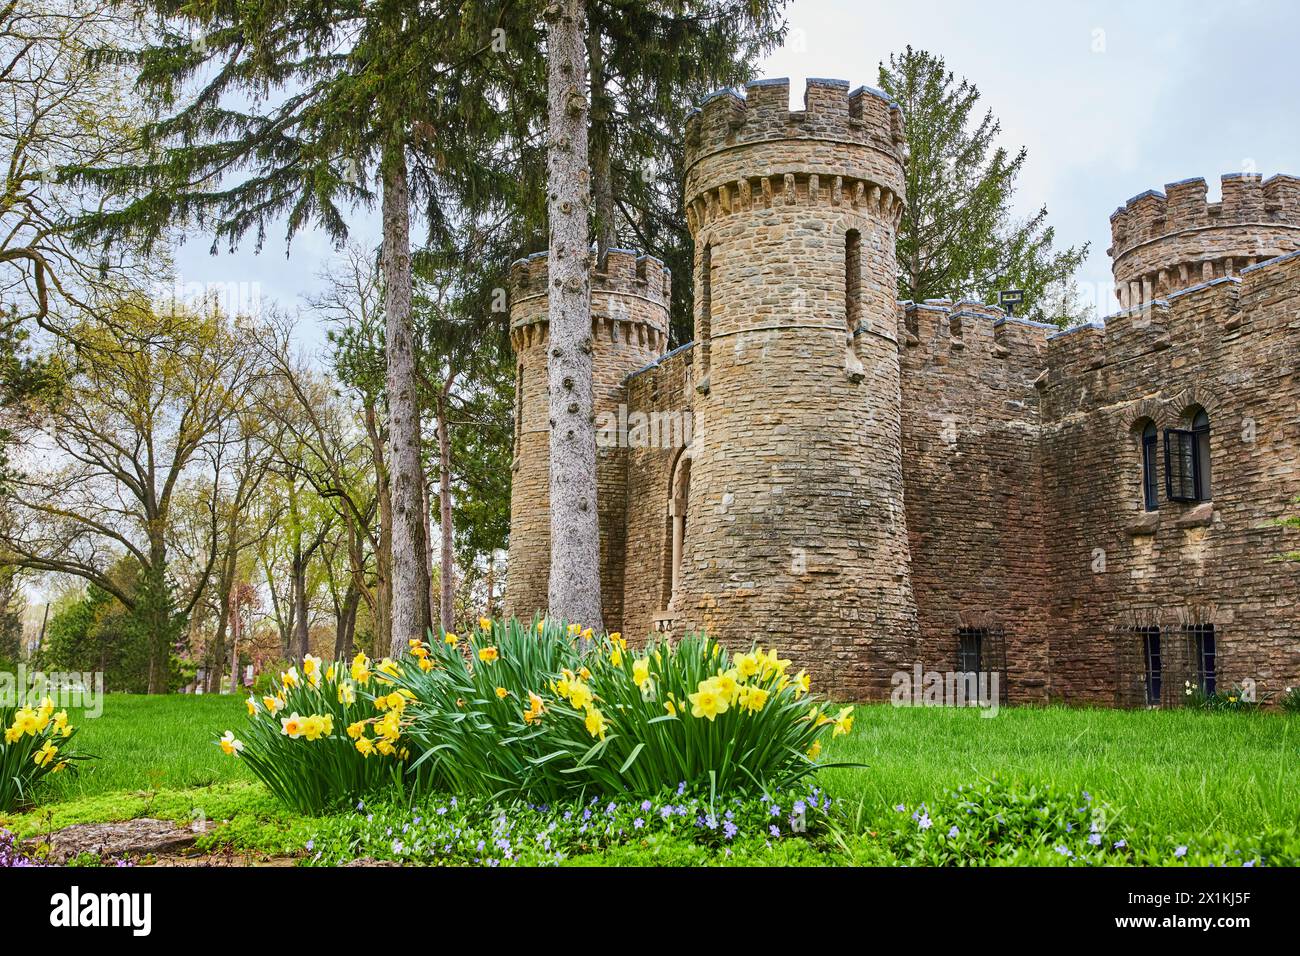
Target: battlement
<point x="727" y="119"/>
<point x="1172" y="240"/>
<point x="1247" y="199"/>
<point x="625" y="272"/>
<point x="946" y="329"/>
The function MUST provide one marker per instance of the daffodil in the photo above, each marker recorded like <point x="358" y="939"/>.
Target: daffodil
<point x="45" y="756"/>
<point x="272" y="704"/>
<point x="535" y="709"/>
<point x="347" y="693"/>
<point x="311" y="666"/>
<point x="230" y="746"/>
<point x="579" y="695"/>
<point x="485" y="623"/>
<point x="815" y="750"/>
<point x="488" y="654"/>
<point x="708" y="701"/>
<point x="361" y="669"/>
<point x="752" y="699"/>
<point x="27" y="721"/>
<point x="426" y="665"/>
<point x="12" y="734"/>
<point x="290" y="677"/>
<point x="450" y="639"/>
<point x="802" y="683"/>
<point x="357" y="729"/>
<point x="575" y="630"/>
<point x="640" y="671"/>
<point x="671" y="708"/>
<point x="60" y="723"/>
<point x="291" y="726"/>
<point x="616" y="657"/>
<point x="365" y="746"/>
<point x="502" y="693"/>
<point x="596" y="723"/>
<point x="727" y="685"/>
<point x="617" y="638"/>
<point x="251" y="704"/>
<point x="843" y="721"/>
<point x="313" y="727"/>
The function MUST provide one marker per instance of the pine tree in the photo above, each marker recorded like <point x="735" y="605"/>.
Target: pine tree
<point x="958" y="237"/>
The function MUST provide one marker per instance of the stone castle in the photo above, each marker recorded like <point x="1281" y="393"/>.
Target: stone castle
<point x="885" y="486"/>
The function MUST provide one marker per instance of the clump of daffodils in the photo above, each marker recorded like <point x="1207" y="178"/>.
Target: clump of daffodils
<point x="328" y="734"/>
<point x="36" y="744"/>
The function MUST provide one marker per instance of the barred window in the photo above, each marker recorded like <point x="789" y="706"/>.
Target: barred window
<point x="1153" y="671"/>
<point x="1203" y="650"/>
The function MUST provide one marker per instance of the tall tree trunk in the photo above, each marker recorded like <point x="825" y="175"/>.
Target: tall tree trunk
<point x="384" y="552"/>
<point x="602" y="177"/>
<point x="410" y="564"/>
<point x="216" y="658"/>
<point x="347" y="623"/>
<point x="574" y="592"/>
<point x="301" y="637"/>
<point x="448" y="558"/>
<point x="233" y="600"/>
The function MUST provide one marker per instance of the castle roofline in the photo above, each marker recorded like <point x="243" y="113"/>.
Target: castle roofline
<point x="659" y="361"/>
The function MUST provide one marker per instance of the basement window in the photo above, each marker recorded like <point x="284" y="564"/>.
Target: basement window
<point x="1203" y="651"/>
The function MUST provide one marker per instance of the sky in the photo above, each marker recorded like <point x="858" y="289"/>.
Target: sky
<point x="1110" y="98"/>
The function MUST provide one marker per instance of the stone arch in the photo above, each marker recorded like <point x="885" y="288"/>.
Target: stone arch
<point x="679" y="489"/>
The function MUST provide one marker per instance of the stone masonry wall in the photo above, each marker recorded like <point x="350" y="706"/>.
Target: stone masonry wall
<point x="797" y="528"/>
<point x="629" y="323"/>
<point x="972" y="468"/>
<point x="1164" y="242"/>
<point x="1229" y="347"/>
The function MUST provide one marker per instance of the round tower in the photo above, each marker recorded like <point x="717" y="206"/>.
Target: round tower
<point x="796" y="529"/>
<point x="1171" y="240"/>
<point x="630" y="299"/>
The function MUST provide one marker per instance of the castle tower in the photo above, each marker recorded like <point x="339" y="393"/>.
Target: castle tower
<point x="1164" y="242"/>
<point x="629" y="325"/>
<point x="796" y="530"/>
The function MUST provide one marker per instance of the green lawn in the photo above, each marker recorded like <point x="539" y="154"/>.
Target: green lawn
<point x="1183" y="771"/>
<point x="152" y="743"/>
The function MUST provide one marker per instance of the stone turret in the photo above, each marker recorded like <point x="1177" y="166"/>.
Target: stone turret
<point x="1172" y="240"/>
<point x="796" y="529"/>
<point x="630" y="298"/>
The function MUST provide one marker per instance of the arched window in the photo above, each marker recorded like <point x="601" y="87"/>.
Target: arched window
<point x="679" y="491"/>
<point x="1150" y="493"/>
<point x="1187" y="459"/>
<point x="853" y="279"/>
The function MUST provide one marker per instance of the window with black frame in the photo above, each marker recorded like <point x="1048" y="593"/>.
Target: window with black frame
<point x="1187" y="460"/>
<point x="1151" y="664"/>
<point x="970" y="646"/>
<point x="1150" y="492"/>
<point x="1202" y="646"/>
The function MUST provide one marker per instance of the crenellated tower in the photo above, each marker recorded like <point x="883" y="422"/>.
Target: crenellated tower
<point x="796" y="528"/>
<point x="630" y="297"/>
<point x="1167" y="241"/>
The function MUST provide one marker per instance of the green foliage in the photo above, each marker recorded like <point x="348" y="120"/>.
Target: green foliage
<point x="1235" y="699"/>
<point x="665" y="830"/>
<point x="310" y="740"/>
<point x="1290" y="700"/>
<point x="958" y="237"/>
<point x="94" y="632"/>
<point x="37" y="743"/>
<point x="529" y="711"/>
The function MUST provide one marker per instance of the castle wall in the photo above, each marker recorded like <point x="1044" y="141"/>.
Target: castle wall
<point x="629" y="327"/>
<point x="972" y="466"/>
<point x="797" y="530"/>
<point x="1230" y="348"/>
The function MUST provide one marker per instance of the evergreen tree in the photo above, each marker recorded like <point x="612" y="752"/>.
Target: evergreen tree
<point x="958" y="237"/>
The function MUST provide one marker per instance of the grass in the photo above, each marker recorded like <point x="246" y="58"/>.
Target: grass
<point x="1177" y="771"/>
<point x="152" y="743"/>
<point x="1169" y="772"/>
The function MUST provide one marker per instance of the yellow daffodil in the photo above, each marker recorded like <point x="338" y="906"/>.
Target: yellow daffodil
<point x="311" y="667"/>
<point x="752" y="699"/>
<point x="485" y="624"/>
<point x="12" y="734"/>
<point x="361" y="669"/>
<point x="575" y="630"/>
<point x="727" y="685"/>
<point x="502" y="693"/>
<point x="388" y="667"/>
<point x="450" y="639"/>
<point x="541" y="626"/>
<point x="27" y="721"/>
<point x="357" y="729"/>
<point x="290" y="677"/>
<point x="586" y="633"/>
<point x="535" y="709"/>
<point x="347" y="693"/>
<point x="616" y="657"/>
<point x="747" y="665"/>
<point x="396" y="701"/>
<point x="708" y="701"/>
<point x="426" y="665"/>
<point x="385" y="747"/>
<point x="488" y="654"/>
<point x="60" y="722"/>
<point x="45" y="756"/>
<point x="617" y="638"/>
<point x="802" y="683"/>
<point x="671" y="708"/>
<point x="229" y="745"/>
<point x="584" y="673"/>
<point x="272" y="704"/>
<point x="579" y="695"/>
<point x="640" y="671"/>
<point x="815" y="750"/>
<point x="843" y="721"/>
<point x="291" y="726"/>
<point x="251" y="704"/>
<point x="312" y="727"/>
<point x="365" y="746"/>
<point x="390" y="727"/>
<point x="596" y="723"/>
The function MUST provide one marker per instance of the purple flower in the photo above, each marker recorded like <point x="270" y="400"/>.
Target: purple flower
<point x="1064" y="851"/>
<point x="311" y="845"/>
<point x="1119" y="844"/>
<point x="924" y="822"/>
<point x="953" y="832"/>
<point x="638" y="823"/>
<point x="729" y="829"/>
<point x="774" y="811"/>
<point x="646" y="805"/>
<point x="900" y="808"/>
<point x="774" y="830"/>
<point x="1095" y="839"/>
<point x="681" y="788"/>
<point x="1180" y="852"/>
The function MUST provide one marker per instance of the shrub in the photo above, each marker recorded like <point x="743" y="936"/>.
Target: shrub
<point x="1290" y="700"/>
<point x="36" y="745"/>
<point x="1236" y="699"/>
<point x="530" y="710"/>
<point x="328" y="735"/>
